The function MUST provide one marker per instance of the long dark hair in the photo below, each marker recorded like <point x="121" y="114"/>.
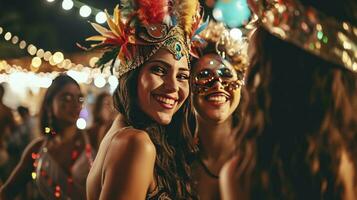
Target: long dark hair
<point x="299" y="117"/>
<point x="174" y="143"/>
<point x="47" y="119"/>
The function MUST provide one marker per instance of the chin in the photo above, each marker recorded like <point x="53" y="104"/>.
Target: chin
<point x="163" y="120"/>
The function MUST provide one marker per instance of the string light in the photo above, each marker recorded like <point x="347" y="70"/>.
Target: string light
<point x="67" y="4"/>
<point x="101" y="17"/>
<point x="36" y="62"/>
<point x="7" y="36"/>
<point x="22" y="44"/>
<point x="40" y="53"/>
<point x="85" y="11"/>
<point x="15" y="40"/>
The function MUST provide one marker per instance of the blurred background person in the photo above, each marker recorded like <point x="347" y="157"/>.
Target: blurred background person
<point x="300" y="127"/>
<point x="216" y="84"/>
<point x="103" y="114"/>
<point x="7" y="126"/>
<point x="59" y="161"/>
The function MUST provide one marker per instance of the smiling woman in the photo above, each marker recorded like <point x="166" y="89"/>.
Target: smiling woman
<point x="145" y="153"/>
<point x="217" y="77"/>
<point x="59" y="161"/>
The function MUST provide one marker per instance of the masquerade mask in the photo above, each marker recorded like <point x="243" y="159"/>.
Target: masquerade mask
<point x="205" y="79"/>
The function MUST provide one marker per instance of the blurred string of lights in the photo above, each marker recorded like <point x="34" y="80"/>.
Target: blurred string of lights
<point x="84" y="10"/>
<point x="79" y="72"/>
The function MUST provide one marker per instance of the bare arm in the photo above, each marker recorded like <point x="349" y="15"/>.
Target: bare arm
<point x="22" y="172"/>
<point x="348" y="174"/>
<point x="128" y="166"/>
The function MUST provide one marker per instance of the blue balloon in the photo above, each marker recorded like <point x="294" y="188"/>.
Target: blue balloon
<point x="234" y="13"/>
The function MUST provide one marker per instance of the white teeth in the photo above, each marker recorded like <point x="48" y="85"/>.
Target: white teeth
<point x="165" y="100"/>
<point x="219" y="98"/>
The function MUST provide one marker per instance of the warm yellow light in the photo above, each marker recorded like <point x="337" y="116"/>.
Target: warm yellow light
<point x="7" y="36"/>
<point x="36" y="62"/>
<point x="22" y="44"/>
<point x="58" y="57"/>
<point x="33" y="175"/>
<point x="31" y="49"/>
<point x="92" y="61"/>
<point x="1" y="30"/>
<point x="15" y="40"/>
<point x="51" y="61"/>
<point x="47" y="55"/>
<point x="40" y="53"/>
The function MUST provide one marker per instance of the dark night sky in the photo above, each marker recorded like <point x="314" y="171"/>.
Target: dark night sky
<point x="46" y="25"/>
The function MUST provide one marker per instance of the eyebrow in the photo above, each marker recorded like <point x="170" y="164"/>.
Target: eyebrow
<point x="168" y="64"/>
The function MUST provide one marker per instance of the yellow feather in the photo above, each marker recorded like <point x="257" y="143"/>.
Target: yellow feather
<point x="100" y="29"/>
<point x="96" y="38"/>
<point x="187" y="10"/>
<point x="116" y="15"/>
<point x="113" y="27"/>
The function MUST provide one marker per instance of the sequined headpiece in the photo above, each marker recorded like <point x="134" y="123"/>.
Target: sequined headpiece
<point x="309" y="29"/>
<point x="230" y="46"/>
<point x="139" y="28"/>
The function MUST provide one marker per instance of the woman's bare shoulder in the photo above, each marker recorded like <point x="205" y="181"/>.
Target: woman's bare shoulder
<point x="131" y="141"/>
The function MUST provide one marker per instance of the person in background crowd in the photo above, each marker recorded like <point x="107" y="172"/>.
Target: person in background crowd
<point x="7" y="126"/>
<point x="59" y="161"/>
<point x="103" y="113"/>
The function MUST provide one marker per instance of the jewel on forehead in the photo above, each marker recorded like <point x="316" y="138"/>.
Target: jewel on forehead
<point x="178" y="49"/>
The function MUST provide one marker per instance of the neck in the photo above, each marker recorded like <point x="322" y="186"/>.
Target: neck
<point x="67" y="133"/>
<point x="216" y="139"/>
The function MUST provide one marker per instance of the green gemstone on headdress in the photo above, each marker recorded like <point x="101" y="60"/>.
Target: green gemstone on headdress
<point x="178" y="49"/>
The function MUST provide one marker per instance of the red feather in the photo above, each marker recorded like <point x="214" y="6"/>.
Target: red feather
<point x="152" y="11"/>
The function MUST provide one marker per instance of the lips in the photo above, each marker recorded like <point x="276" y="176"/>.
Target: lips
<point x="217" y="98"/>
<point x="165" y="101"/>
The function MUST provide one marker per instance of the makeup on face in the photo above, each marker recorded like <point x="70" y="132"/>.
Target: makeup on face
<point x="206" y="78"/>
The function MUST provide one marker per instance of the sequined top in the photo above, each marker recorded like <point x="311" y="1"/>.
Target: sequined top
<point x="55" y="183"/>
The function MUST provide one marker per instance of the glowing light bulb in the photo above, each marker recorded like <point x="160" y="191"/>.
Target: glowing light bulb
<point x="101" y="17"/>
<point x="81" y="123"/>
<point x="67" y="4"/>
<point x="85" y="11"/>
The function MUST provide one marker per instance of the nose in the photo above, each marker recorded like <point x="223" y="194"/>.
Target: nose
<point x="217" y="83"/>
<point x="171" y="84"/>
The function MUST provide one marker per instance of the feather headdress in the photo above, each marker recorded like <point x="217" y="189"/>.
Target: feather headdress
<point x="149" y="25"/>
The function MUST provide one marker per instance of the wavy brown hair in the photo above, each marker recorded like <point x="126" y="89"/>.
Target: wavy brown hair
<point x="300" y="116"/>
<point x="174" y="144"/>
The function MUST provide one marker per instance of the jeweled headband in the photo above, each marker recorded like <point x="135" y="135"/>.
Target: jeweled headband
<point x="309" y="29"/>
<point x="233" y="50"/>
<point x="141" y="27"/>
